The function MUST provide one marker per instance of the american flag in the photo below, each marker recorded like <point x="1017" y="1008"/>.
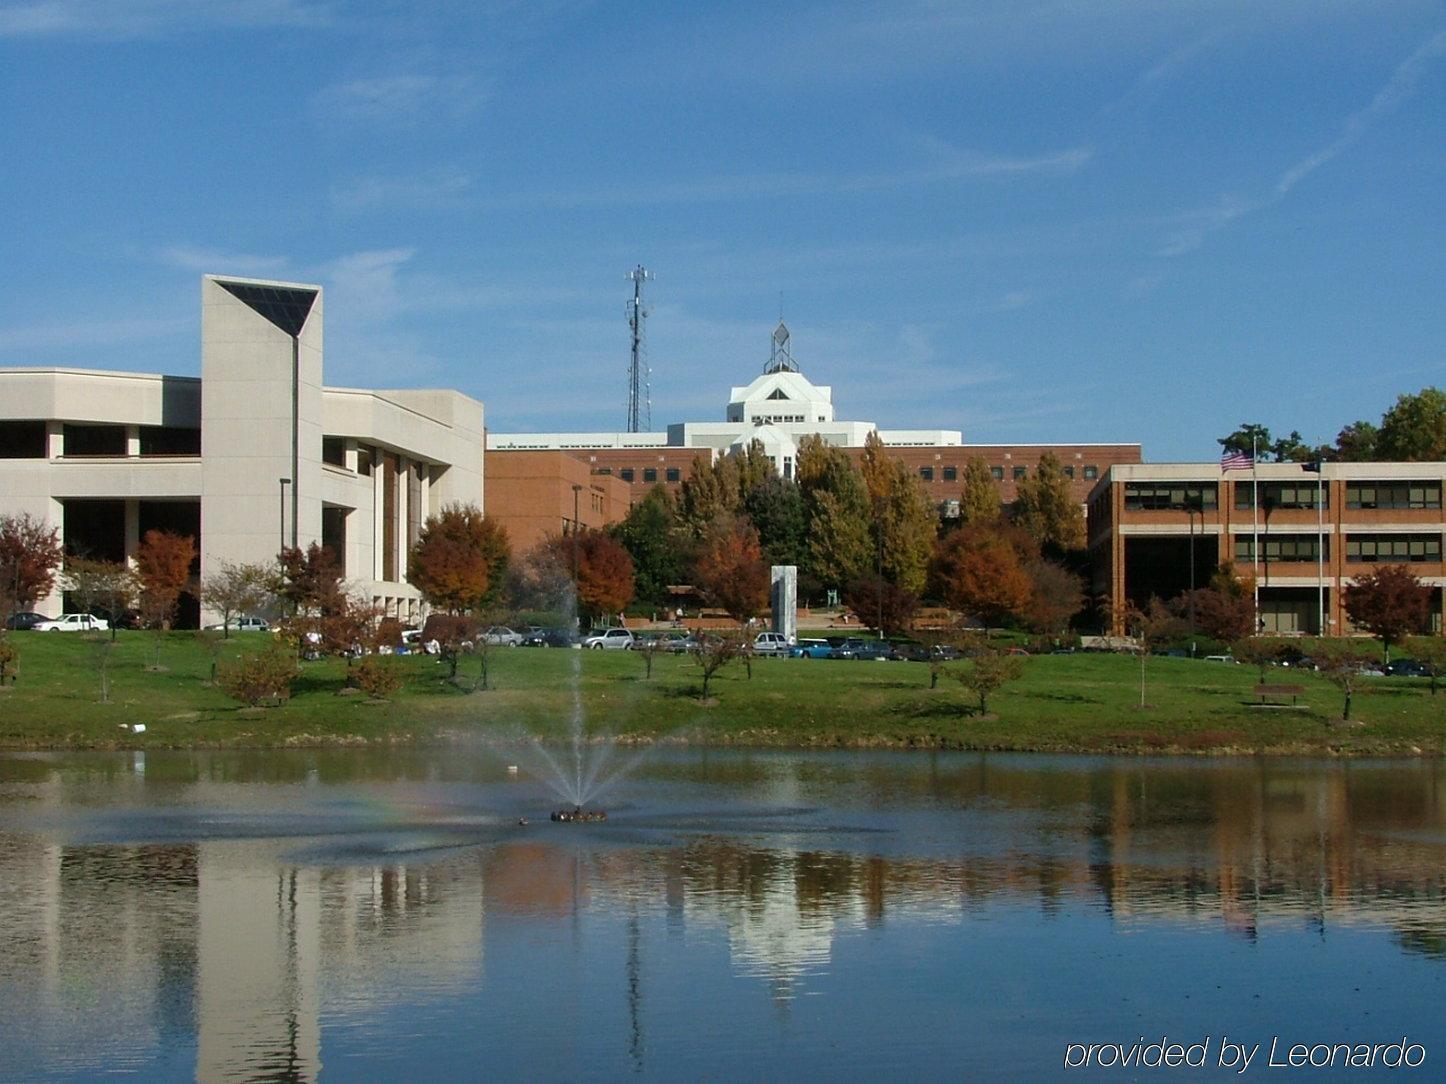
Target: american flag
<point x="1237" y="461"/>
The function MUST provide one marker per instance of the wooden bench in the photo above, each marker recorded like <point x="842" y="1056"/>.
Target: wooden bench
<point x="1265" y="692"/>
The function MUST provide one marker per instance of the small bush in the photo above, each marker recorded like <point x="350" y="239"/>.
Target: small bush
<point x="376" y="677"/>
<point x="9" y="660"/>
<point x="259" y="678"/>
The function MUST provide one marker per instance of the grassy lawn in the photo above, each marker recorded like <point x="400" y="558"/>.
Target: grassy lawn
<point x="1084" y="703"/>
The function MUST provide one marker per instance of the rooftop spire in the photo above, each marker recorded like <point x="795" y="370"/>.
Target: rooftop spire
<point x="780" y="354"/>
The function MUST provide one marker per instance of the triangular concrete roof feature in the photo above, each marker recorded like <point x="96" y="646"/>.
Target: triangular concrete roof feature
<point x="793" y="385"/>
<point x="287" y="307"/>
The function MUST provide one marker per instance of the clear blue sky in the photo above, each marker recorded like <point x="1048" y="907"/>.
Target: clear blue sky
<point x="1029" y="219"/>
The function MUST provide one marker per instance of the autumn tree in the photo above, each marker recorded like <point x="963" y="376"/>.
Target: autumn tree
<point x="310" y="579"/>
<point x="712" y="653"/>
<point x="905" y="524"/>
<point x="985" y="673"/>
<point x="1343" y="666"/>
<point x="1152" y="626"/>
<point x="730" y="568"/>
<point x="980" y="503"/>
<point x="236" y="590"/>
<point x="1414" y="430"/>
<point x="1057" y="595"/>
<point x="716" y="488"/>
<point x="1389" y="602"/>
<point x="980" y="572"/>
<point x="653" y="536"/>
<point x="882" y="602"/>
<point x="460" y="559"/>
<point x="30" y="554"/>
<point x="1225" y="610"/>
<point x="93" y="585"/>
<point x="163" y="569"/>
<point x="840" y="546"/>
<point x="775" y="506"/>
<point x="1047" y="510"/>
<point x="604" y="569"/>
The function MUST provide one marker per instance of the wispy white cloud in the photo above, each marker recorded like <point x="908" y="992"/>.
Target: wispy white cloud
<point x="365" y="285"/>
<point x="1401" y="85"/>
<point x="398" y="99"/>
<point x="153" y="18"/>
<point x="435" y="189"/>
<point x="1014" y="299"/>
<point x="214" y="261"/>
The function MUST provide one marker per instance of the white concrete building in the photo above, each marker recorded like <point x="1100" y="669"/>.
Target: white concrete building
<point x="254" y="455"/>
<point x="779" y="409"/>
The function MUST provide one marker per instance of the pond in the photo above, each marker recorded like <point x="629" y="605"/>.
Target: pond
<point x="371" y="914"/>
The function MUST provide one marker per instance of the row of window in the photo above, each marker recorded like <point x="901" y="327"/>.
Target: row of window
<point x="28" y="440"/>
<point x="1359" y="548"/>
<point x="1393" y="495"/>
<point x="1142" y="496"/>
<point x="1171" y="496"/>
<point x="650" y="474"/>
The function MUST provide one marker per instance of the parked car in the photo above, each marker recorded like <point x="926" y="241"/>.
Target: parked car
<point x="811" y="649"/>
<point x="771" y="643"/>
<point x="243" y="624"/>
<point x="610" y="640"/>
<point x="877" y="651"/>
<point x="1219" y="658"/>
<point x="679" y="643"/>
<point x="1408" y="668"/>
<point x="549" y="638"/>
<point x="74" y="623"/>
<point x="26" y="619"/>
<point x="502" y="636"/>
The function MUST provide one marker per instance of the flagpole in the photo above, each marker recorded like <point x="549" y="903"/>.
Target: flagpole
<point x="1255" y="527"/>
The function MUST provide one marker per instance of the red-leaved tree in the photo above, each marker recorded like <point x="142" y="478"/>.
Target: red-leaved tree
<point x="1389" y="602"/>
<point x="980" y="572"/>
<point x="310" y="579"/>
<point x="30" y="554"/>
<point x="460" y="559"/>
<point x="604" y="569"/>
<point x="163" y="567"/>
<point x="730" y="568"/>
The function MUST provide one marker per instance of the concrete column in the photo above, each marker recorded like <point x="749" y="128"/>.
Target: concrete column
<point x="427" y="508"/>
<point x="133" y="530"/>
<point x="54" y="439"/>
<point x="133" y="441"/>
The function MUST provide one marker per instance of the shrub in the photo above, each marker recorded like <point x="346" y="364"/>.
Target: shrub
<point x="257" y="678"/>
<point x="376" y="677"/>
<point x="9" y="660"/>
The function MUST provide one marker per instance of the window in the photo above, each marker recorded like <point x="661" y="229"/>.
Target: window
<point x="364" y="460"/>
<point x="926" y="473"/>
<point x="626" y="474"/>
<point x="603" y="470"/>
<point x="1170" y="496"/>
<point x="673" y="474"/>
<point x="333" y="451"/>
<point x="951" y="474"/>
<point x="1369" y="548"/>
<point x="1020" y="472"/>
<point x="22" y="440"/>
<point x="1280" y="495"/>
<point x="95" y="440"/>
<point x="650" y="474"/>
<point x="1294" y="547"/>
<point x="1091" y="473"/>
<point x="998" y="473"/>
<point x="1069" y="473"/>
<point x="1398" y="495"/>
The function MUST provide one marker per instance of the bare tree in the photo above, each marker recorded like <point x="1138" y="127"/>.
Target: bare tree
<point x="237" y="590"/>
<point x="713" y="653"/>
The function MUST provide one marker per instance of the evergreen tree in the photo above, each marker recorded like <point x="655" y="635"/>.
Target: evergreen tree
<point x="653" y="537"/>
<point x="775" y="505"/>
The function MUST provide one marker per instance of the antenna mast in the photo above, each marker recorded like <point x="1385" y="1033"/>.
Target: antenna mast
<point x="640" y="392"/>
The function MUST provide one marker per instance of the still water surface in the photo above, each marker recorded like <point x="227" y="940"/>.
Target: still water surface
<point x="741" y="915"/>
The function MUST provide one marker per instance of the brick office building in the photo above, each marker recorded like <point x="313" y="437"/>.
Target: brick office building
<point x="1316" y="533"/>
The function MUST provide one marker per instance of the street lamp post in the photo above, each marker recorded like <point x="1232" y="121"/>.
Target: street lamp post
<point x="281" y="511"/>
<point x="576" y="526"/>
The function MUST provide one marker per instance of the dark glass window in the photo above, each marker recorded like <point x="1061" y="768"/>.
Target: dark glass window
<point x="1091" y="473"/>
<point x="626" y="474"/>
<point x="951" y="474"/>
<point x="169" y="440"/>
<point x="285" y="307"/>
<point x="1020" y="472"/>
<point x="333" y="451"/>
<point x="1367" y="548"/>
<point x="363" y="459"/>
<point x="926" y="473"/>
<point x="1069" y="473"/>
<point x="22" y="440"/>
<point x="95" y="440"/>
<point x="650" y="474"/>
<point x="1293" y="547"/>
<point x="674" y="474"/>
<point x="1171" y="496"/>
<point x="1280" y="495"/>
<point x="1397" y="495"/>
<point x="998" y="473"/>
<point x="603" y="470"/>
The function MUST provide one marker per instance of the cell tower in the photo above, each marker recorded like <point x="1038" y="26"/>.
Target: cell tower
<point x="640" y="392"/>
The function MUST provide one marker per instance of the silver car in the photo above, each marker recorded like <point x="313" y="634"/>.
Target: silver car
<point x="502" y="636"/>
<point x="610" y="640"/>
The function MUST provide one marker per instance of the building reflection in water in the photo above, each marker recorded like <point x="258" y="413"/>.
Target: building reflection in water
<point x="109" y="951"/>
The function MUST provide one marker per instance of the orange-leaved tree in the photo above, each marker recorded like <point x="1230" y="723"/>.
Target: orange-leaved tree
<point x="730" y="567"/>
<point x="460" y="559"/>
<point x="980" y="572"/>
<point x="604" y="569"/>
<point x="163" y="567"/>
